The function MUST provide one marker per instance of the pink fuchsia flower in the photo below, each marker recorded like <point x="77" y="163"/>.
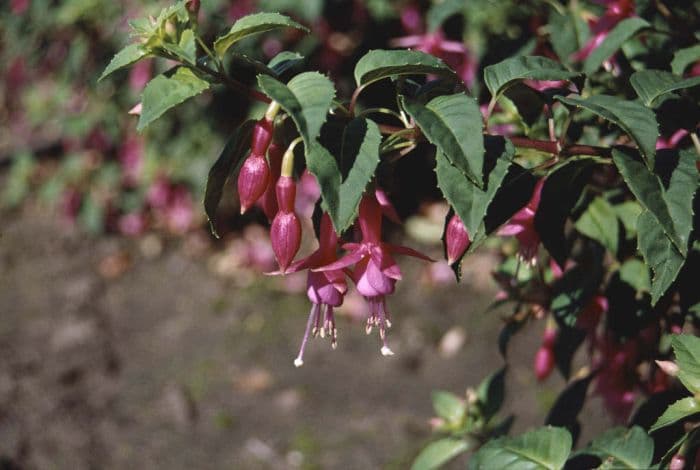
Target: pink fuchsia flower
<point x="454" y="53"/>
<point x="132" y="224"/>
<point x="179" y="212"/>
<point x="140" y="74"/>
<point x="456" y="239"/>
<point x="254" y="177"/>
<point x="617" y="377"/>
<point x="375" y="272"/>
<point x="325" y="289"/>
<point x="522" y="225"/>
<point x="285" y="232"/>
<point x="269" y="198"/>
<point x="672" y="141"/>
<point x="545" y="358"/>
<point x="617" y="10"/>
<point x="131" y="159"/>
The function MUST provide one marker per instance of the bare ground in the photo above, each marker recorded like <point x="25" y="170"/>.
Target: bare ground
<point x="160" y="362"/>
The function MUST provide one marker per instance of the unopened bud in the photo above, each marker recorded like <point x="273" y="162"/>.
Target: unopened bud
<point x="677" y="462"/>
<point x="456" y="239"/>
<point x="549" y="336"/>
<point x="285" y="232"/>
<point x="262" y="136"/>
<point x="252" y="180"/>
<point x="544" y="363"/>
<point x="269" y="199"/>
<point x="669" y="367"/>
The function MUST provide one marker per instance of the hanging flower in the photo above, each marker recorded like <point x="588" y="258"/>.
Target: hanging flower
<point x="522" y="225"/>
<point x="325" y="289"/>
<point x="375" y="272"/>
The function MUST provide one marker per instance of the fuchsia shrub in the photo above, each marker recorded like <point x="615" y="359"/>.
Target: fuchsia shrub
<point x="575" y="139"/>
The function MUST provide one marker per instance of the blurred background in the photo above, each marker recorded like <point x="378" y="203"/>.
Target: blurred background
<point x="131" y="338"/>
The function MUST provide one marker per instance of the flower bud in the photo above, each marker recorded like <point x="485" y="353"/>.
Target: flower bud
<point x="262" y="136"/>
<point x="252" y="180"/>
<point x="549" y="336"/>
<point x="677" y="462"/>
<point x="269" y="199"/>
<point x="544" y="362"/>
<point x="456" y="239"/>
<point x="285" y="232"/>
<point x="669" y="367"/>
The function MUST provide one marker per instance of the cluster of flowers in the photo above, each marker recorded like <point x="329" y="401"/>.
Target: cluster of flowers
<point x="369" y="263"/>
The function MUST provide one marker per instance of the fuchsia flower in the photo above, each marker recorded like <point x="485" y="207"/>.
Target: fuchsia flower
<point x="269" y="198"/>
<point x="325" y="289"/>
<point x="456" y="239"/>
<point x="454" y="53"/>
<point x="522" y="225"/>
<point x="617" y="10"/>
<point x="254" y="177"/>
<point x="544" y="358"/>
<point x="285" y="232"/>
<point x="375" y="272"/>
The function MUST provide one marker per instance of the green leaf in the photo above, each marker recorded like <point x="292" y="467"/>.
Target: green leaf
<point x="568" y="32"/>
<point x="653" y="86"/>
<point x="659" y="253"/>
<point x="284" y="61"/>
<point x="453" y="123"/>
<point x="127" y="56"/>
<point x="628" y="212"/>
<point x="680" y="171"/>
<point x="675" y="412"/>
<point x="359" y="159"/>
<point x="635" y="273"/>
<point x="572" y="292"/>
<point x="560" y="191"/>
<point x="441" y="11"/>
<point x="253" y="24"/>
<point x="448" y="406"/>
<point x="306" y="98"/>
<point x="225" y="166"/>
<point x="323" y="166"/>
<point x="439" y="452"/>
<point x="599" y="222"/>
<point x="633" y="118"/>
<point x="544" y="448"/>
<point x="687" y="351"/>
<point x="671" y="207"/>
<point x="684" y="57"/>
<point x="624" y="30"/>
<point x="469" y="200"/>
<point x="166" y="91"/>
<point x="623" y="448"/>
<point x="491" y="393"/>
<point x="379" y="64"/>
<point x="499" y="77"/>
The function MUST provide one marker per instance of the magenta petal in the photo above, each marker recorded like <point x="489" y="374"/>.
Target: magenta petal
<point x="510" y="229"/>
<point x="404" y="250"/>
<point x="347" y="260"/>
<point x="376" y="278"/>
<point x="406" y="41"/>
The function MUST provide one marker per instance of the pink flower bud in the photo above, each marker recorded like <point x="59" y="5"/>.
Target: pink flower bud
<point x="549" y="337"/>
<point x="544" y="362"/>
<point x="677" y="462"/>
<point x="285" y="232"/>
<point x="252" y="180"/>
<point x="456" y="239"/>
<point x="262" y="136"/>
<point x="269" y="199"/>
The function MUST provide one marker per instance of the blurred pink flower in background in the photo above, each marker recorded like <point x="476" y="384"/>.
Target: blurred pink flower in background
<point x="454" y="53"/>
<point x="617" y="10"/>
<point x="522" y="225"/>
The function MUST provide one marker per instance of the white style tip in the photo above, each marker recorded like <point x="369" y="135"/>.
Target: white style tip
<point x="386" y="351"/>
<point x="298" y="362"/>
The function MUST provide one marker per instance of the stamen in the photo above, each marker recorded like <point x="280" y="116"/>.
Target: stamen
<point x="313" y="314"/>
